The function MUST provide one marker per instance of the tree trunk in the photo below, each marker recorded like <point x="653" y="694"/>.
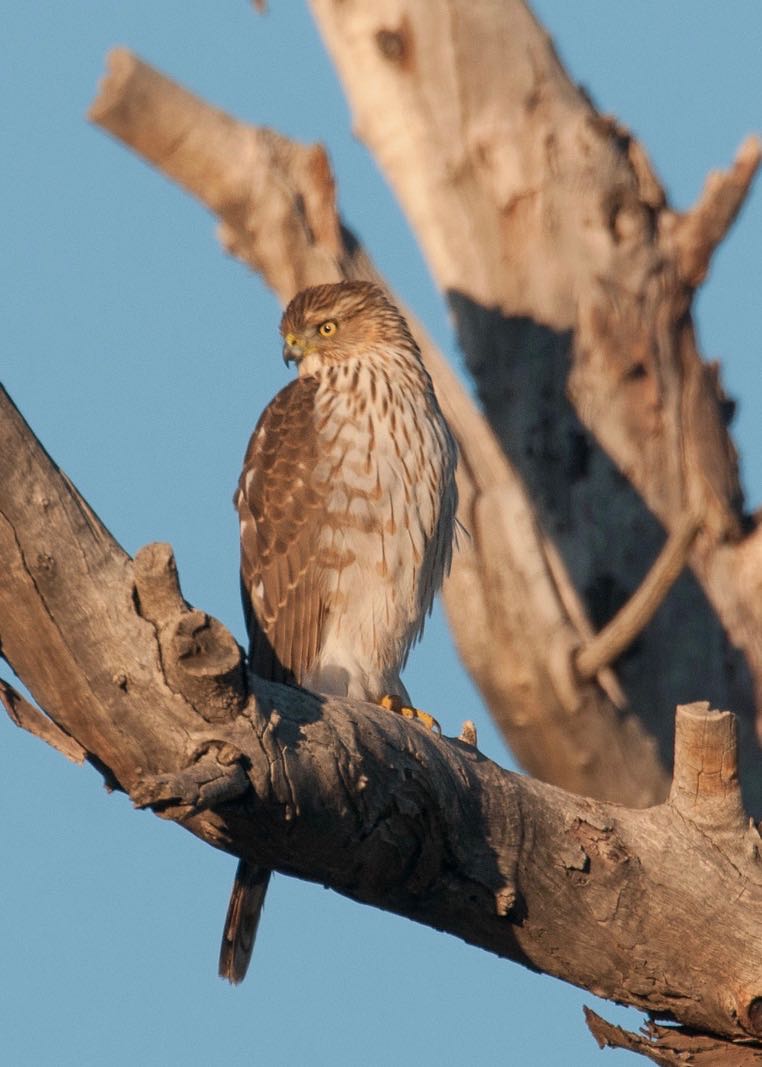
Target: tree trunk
<point x="570" y="280"/>
<point x="609" y="570"/>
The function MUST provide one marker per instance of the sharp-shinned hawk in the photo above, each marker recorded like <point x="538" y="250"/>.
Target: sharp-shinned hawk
<point x="347" y="504"/>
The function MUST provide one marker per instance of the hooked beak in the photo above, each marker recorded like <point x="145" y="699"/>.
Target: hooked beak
<point x="293" y="348"/>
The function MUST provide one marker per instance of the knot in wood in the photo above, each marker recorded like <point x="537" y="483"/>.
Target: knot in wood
<point x="393" y="45"/>
<point x="754" y="1016"/>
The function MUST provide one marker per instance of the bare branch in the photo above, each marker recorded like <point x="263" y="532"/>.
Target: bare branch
<point x="376" y="806"/>
<point x="569" y="279"/>
<point x="545" y="224"/>
<point x="536" y="213"/>
<point x="30" y="718"/>
<point x="258" y="182"/>
<point x="606" y="646"/>
<point x="699" y="231"/>
<point x="277" y="202"/>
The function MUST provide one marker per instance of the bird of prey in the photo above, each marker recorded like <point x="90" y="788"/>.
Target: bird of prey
<point x="347" y="504"/>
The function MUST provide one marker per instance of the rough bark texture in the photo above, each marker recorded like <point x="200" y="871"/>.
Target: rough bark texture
<point x="672" y="1046"/>
<point x="602" y="468"/>
<point x="510" y="586"/>
<point x="571" y="279"/>
<point x="374" y="805"/>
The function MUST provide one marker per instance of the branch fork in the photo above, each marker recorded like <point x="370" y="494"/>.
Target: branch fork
<point x="600" y="895"/>
<point x="379" y="809"/>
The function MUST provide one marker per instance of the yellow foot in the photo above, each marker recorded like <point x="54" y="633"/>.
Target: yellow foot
<point x="395" y="703"/>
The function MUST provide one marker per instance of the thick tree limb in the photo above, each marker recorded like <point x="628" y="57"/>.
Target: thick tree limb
<point x="519" y="227"/>
<point x="277" y="202"/>
<point x="373" y="805"/>
<point x="571" y="281"/>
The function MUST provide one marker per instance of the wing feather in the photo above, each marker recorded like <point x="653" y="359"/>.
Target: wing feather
<point x="280" y="509"/>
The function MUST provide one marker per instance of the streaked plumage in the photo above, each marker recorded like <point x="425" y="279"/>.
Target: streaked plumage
<point x="347" y="505"/>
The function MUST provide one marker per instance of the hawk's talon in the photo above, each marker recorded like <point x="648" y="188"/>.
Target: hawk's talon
<point x="392" y="702"/>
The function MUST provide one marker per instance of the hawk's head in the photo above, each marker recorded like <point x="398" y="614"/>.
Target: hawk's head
<point x="326" y="324"/>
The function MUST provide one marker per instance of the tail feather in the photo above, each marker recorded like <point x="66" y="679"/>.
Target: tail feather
<point x="246" y="900"/>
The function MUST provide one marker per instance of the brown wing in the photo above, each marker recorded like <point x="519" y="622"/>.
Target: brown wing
<point x="279" y="510"/>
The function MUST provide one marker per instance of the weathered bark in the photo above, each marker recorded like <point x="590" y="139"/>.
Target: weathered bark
<point x="277" y="204"/>
<point x="571" y="279"/>
<point x="603" y="467"/>
<point x="376" y="806"/>
<point x="510" y="587"/>
<point x="673" y="1046"/>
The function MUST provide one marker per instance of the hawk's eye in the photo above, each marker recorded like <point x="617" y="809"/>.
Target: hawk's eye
<point x="328" y="328"/>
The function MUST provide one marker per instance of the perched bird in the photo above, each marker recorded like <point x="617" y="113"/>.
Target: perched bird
<point x="347" y="504"/>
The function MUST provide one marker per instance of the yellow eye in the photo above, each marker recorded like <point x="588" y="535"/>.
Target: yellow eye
<point x="327" y="329"/>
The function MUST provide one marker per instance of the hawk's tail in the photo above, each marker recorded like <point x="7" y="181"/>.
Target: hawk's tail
<point x="242" y="920"/>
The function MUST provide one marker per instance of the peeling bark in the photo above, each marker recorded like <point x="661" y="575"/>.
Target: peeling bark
<point x="673" y="1046"/>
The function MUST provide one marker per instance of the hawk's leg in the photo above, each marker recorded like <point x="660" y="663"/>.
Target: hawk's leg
<point x="392" y="702"/>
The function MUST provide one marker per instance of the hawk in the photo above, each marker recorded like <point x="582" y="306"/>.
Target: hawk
<point x="347" y="504"/>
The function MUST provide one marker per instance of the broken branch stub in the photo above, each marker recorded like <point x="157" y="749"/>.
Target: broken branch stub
<point x="705" y="787"/>
<point x="201" y="659"/>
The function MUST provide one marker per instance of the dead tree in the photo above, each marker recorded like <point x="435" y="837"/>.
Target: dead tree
<point x="570" y="280"/>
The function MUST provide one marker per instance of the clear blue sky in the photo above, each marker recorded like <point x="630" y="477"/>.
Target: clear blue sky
<point x="142" y="357"/>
